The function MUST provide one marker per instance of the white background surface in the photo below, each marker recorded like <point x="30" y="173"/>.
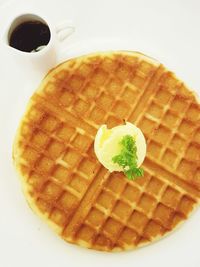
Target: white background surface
<point x="167" y="30"/>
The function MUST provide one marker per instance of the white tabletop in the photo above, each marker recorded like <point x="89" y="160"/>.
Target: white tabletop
<point x="166" y="30"/>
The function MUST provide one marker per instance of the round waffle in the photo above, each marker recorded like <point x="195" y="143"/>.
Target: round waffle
<point x="64" y="182"/>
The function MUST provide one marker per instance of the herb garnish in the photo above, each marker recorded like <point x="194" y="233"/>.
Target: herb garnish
<point x="128" y="158"/>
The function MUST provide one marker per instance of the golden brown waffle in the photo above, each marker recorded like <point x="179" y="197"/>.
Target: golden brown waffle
<point x="61" y="176"/>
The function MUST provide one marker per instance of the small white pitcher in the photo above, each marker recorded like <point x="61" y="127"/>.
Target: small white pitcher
<point x="46" y="58"/>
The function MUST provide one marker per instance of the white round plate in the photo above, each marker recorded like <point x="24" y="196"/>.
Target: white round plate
<point x="165" y="30"/>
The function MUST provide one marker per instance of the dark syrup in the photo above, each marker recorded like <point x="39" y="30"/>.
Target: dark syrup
<point x="30" y="36"/>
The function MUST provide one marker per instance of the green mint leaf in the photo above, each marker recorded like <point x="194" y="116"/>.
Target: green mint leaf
<point x="128" y="158"/>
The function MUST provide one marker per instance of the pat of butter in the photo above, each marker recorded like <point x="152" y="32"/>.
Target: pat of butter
<point x="107" y="144"/>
